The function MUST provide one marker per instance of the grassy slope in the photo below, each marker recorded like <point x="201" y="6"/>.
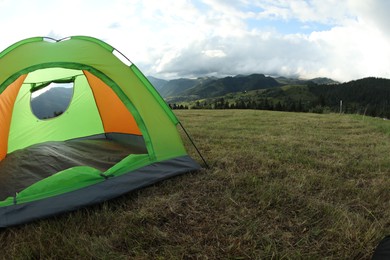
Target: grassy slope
<point x="281" y="185"/>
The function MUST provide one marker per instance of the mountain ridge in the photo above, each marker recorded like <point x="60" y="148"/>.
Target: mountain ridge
<point x="52" y="102"/>
<point x="189" y="89"/>
<point x="369" y="95"/>
<point x="184" y="88"/>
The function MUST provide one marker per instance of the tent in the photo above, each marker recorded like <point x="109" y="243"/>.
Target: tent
<point x="116" y="135"/>
<point x="382" y="250"/>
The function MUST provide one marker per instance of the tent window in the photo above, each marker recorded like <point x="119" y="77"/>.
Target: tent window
<point x="51" y="100"/>
<point x="122" y="57"/>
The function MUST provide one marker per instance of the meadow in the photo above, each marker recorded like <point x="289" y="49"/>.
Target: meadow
<point x="280" y="186"/>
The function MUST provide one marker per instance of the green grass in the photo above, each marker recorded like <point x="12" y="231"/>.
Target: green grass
<point x="281" y="186"/>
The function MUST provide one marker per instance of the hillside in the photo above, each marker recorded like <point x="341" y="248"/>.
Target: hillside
<point x="281" y="186"/>
<point x="226" y="85"/>
<point x="157" y="83"/>
<point x="192" y="89"/>
<point x="296" y="81"/>
<point x="369" y="96"/>
<point x="55" y="100"/>
<point x="177" y="87"/>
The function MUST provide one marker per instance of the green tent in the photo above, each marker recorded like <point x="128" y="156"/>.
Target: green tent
<point x="116" y="135"/>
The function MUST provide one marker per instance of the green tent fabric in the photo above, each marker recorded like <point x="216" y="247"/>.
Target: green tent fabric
<point x="116" y="135"/>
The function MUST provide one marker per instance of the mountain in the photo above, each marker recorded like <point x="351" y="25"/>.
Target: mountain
<point x="190" y="89"/>
<point x="324" y="81"/>
<point x="156" y="82"/>
<point x="220" y="87"/>
<point x="177" y="87"/>
<point x="290" y="81"/>
<point x="296" y="81"/>
<point x="370" y="94"/>
<point x="55" y="100"/>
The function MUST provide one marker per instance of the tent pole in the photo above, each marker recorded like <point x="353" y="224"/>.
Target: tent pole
<point x="196" y="148"/>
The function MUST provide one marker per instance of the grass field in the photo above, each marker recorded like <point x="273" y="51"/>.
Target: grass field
<point x="280" y="185"/>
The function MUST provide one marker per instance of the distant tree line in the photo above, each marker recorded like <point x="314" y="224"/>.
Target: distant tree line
<point x="368" y="96"/>
<point x="175" y="106"/>
<point x="261" y="104"/>
<point x="55" y="114"/>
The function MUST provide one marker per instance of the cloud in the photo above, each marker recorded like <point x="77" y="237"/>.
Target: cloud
<point x="327" y="12"/>
<point x="214" y="53"/>
<point x="251" y="53"/>
<point x="355" y="45"/>
<point x="373" y="13"/>
<point x="173" y="38"/>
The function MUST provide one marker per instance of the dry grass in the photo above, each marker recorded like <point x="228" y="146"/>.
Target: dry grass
<point x="281" y="185"/>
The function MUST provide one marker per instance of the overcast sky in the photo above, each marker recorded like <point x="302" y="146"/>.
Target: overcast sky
<point x="340" y="39"/>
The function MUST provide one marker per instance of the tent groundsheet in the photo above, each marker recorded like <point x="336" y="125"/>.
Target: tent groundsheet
<point x="27" y="166"/>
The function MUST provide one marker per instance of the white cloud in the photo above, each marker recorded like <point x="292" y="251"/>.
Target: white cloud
<point x="175" y="38"/>
<point x="328" y="12"/>
<point x="214" y="53"/>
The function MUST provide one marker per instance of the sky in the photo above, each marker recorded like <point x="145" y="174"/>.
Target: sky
<point x="340" y="39"/>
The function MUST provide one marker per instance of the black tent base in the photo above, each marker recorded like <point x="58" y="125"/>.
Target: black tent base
<point x="24" y="167"/>
<point x="382" y="251"/>
<point x="108" y="189"/>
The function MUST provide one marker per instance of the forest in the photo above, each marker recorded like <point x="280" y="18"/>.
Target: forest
<point x="367" y="96"/>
